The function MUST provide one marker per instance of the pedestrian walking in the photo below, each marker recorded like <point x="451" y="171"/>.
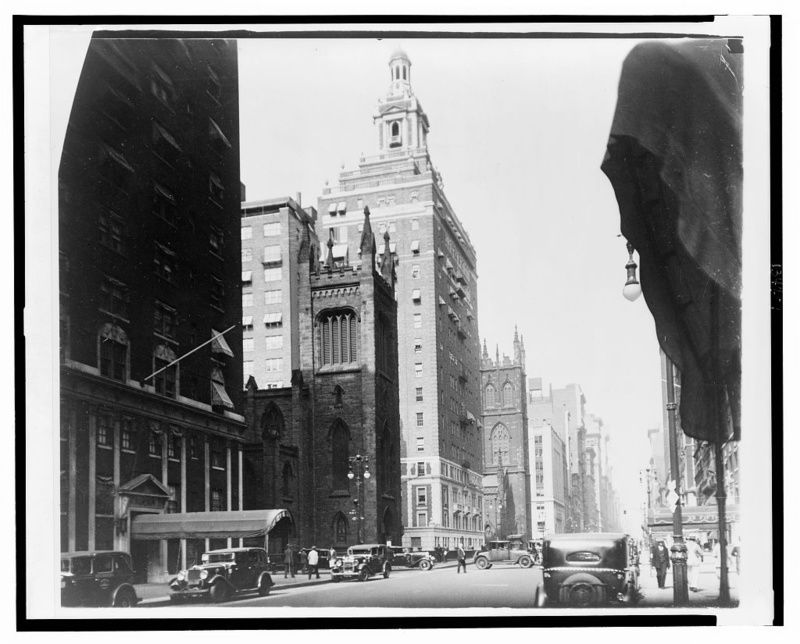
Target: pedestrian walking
<point x="313" y="562"/>
<point x="659" y="560"/>
<point x="462" y="558"/>
<point x="288" y="561"/>
<point x="694" y="558"/>
<point x="303" y="562"/>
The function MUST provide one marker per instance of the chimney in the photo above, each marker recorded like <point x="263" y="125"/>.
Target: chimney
<point x="298" y="197"/>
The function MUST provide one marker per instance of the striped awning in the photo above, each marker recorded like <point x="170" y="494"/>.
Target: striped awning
<point x="207" y="525"/>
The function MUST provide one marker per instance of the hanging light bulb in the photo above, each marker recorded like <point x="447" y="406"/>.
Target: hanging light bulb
<point x="632" y="289"/>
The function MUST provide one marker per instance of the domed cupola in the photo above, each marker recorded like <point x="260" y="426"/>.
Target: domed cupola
<point x="400" y="71"/>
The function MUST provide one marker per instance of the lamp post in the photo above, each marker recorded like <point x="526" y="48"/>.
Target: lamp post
<point x="631" y="291"/>
<point x="359" y="472"/>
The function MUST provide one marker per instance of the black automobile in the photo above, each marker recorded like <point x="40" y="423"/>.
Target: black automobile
<point x="584" y="570"/>
<point x="362" y="561"/>
<point x="101" y="578"/>
<point x="403" y="557"/>
<point x="223" y="573"/>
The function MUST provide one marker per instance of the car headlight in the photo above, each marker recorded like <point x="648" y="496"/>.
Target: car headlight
<point x="337" y="562"/>
<point x="204" y="574"/>
<point x="181" y="575"/>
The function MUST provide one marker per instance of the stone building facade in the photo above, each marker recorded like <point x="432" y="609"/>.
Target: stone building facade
<point x="436" y="293"/>
<point x="150" y="304"/>
<point x="506" y="467"/>
<point x="339" y="416"/>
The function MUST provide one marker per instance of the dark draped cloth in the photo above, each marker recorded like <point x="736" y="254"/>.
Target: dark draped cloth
<point x="674" y="158"/>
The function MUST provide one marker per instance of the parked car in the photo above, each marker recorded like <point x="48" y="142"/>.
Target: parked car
<point x="502" y="552"/>
<point x="102" y="578"/>
<point x="363" y="561"/>
<point x="583" y="570"/>
<point x="222" y="574"/>
<point x="323" y="558"/>
<point x="412" y="558"/>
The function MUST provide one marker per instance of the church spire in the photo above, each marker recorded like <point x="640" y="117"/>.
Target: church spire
<point x="367" y="238"/>
<point x="387" y="264"/>
<point x="329" y="256"/>
<point x="485" y="351"/>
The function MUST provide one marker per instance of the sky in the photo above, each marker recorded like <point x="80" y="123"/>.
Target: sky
<point x="518" y="132"/>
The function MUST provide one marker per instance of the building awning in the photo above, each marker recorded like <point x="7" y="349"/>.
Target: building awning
<point x="247" y="320"/>
<point x="164" y="134"/>
<point x="441" y="301"/>
<point x="216" y="133"/>
<point x="342" y="207"/>
<point x="247" y="276"/>
<point x="415" y="246"/>
<point x="339" y="251"/>
<point x="121" y="160"/>
<point x="219" y="345"/>
<point x="164" y="192"/>
<point x="207" y="525"/>
<point x="220" y="397"/>
<point x="273" y="318"/>
<point x="332" y="208"/>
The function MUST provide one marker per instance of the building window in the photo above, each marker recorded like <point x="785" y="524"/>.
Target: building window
<point x="115" y="167"/>
<point x="272" y="274"/>
<point x="340" y="529"/>
<point x="217" y="500"/>
<point x="217" y="457"/>
<point x="164" y="320"/>
<point x="166" y="373"/>
<point x="247" y="370"/>
<point x="420" y="419"/>
<point x="247" y="323"/>
<point x="113" y="352"/>
<point x="420" y="443"/>
<point x="274" y="296"/>
<point x="247" y="300"/>
<point x="508" y="395"/>
<point x="126" y="439"/>
<point x="338" y="337"/>
<point x="419" y="394"/>
<point x="114" y="298"/>
<point x="247" y="255"/>
<point x="112" y="230"/>
<point x="418" y="345"/>
<point x="421" y="494"/>
<point x="415" y="271"/>
<point x="154" y="444"/>
<point x="421" y="468"/>
<point x="173" y="447"/>
<point x="418" y="369"/>
<point x="422" y="519"/>
<point x="216" y="240"/>
<point x="274" y="342"/>
<point x="103" y="431"/>
<point x="415" y="247"/>
<point x="416" y="296"/>
<point x="163" y="203"/>
<point x="417" y="320"/>
<point x="490" y="396"/>
<point x="500" y="440"/>
<point x="274" y="364"/>
<point x="247" y="232"/>
<point x="215" y="188"/>
<point x="415" y="224"/>
<point x="340" y="452"/>
<point x="217" y="293"/>
<point x="273" y="320"/>
<point x="272" y="255"/>
<point x="272" y="229"/>
<point x="247" y="345"/>
<point x="164" y="263"/>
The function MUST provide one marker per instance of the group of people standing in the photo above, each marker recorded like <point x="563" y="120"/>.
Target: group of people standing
<point x="307" y="560"/>
<point x="660" y="561"/>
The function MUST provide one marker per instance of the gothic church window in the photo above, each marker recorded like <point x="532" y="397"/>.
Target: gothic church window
<point x="508" y="395"/>
<point x="500" y="440"/>
<point x="340" y="529"/>
<point x="490" y="396"/>
<point x="338" y="337"/>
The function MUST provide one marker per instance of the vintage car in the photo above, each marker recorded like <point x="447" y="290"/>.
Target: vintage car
<point x="502" y="552"/>
<point x="363" y="561"/>
<point x="421" y="559"/>
<point x="102" y="578"/>
<point x="587" y="569"/>
<point x="223" y="573"/>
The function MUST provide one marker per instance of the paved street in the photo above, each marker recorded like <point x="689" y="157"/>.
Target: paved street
<point x="442" y="587"/>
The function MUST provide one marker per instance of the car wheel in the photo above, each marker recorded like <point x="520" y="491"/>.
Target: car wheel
<point x="363" y="574"/>
<point x="219" y="592"/>
<point x="525" y="562"/>
<point x="264" y="586"/>
<point x="425" y="565"/>
<point x="386" y="571"/>
<point x="481" y="563"/>
<point x="125" y="599"/>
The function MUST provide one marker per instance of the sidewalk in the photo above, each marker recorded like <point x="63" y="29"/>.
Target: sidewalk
<point x="706" y="596"/>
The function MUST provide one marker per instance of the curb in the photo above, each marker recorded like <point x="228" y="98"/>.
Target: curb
<point x="315" y="582"/>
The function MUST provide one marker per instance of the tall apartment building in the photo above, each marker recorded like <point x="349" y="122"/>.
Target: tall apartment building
<point x="149" y="273"/>
<point x="506" y="471"/>
<point x="548" y="458"/>
<point x="271" y="233"/>
<point x="436" y="294"/>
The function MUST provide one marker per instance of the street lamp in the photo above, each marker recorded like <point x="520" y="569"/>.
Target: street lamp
<point x="680" y="596"/>
<point x="358" y="471"/>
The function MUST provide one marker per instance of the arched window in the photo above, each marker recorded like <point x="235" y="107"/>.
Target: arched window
<point x="113" y="352"/>
<point x="490" y="395"/>
<point x="500" y="444"/>
<point x="272" y="423"/>
<point x="165" y="381"/>
<point x="286" y="478"/>
<point x="395" y="129"/>
<point x="338" y="337"/>
<point x="508" y="395"/>
<point x="340" y="529"/>
<point x="340" y="451"/>
<point x="404" y="73"/>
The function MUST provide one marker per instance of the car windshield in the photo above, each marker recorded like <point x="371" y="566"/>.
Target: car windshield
<point x="359" y="551"/>
<point x="218" y="557"/>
